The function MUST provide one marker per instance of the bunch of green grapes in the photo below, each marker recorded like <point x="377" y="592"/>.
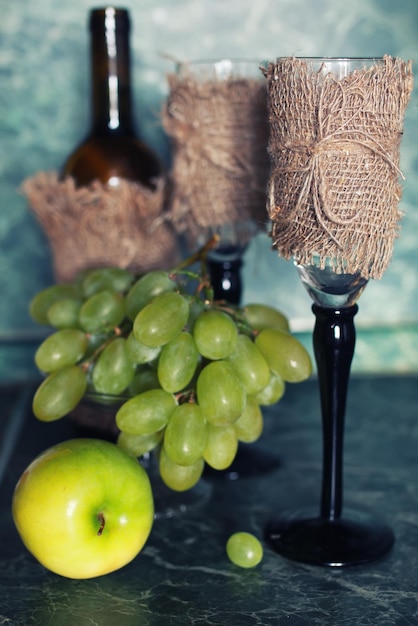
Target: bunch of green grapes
<point x="188" y="375"/>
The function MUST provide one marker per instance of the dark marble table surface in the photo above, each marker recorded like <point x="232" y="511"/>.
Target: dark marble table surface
<point x="183" y="577"/>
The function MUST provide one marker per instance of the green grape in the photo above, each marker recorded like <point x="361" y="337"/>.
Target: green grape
<point x="63" y="347"/>
<point x="138" y="445"/>
<point x="221" y="446"/>
<point x="40" y="303"/>
<point x="139" y="353"/>
<point x="145" y="378"/>
<point x="215" y="334"/>
<point x="179" y="477"/>
<point x="178" y="362"/>
<point x="249" y="425"/>
<point x="244" y="550"/>
<point x="161" y="319"/>
<point x="64" y="313"/>
<point x="196" y="307"/>
<point x="146" y="413"/>
<point x="102" y="310"/>
<point x="113" y="370"/>
<point x="185" y="434"/>
<point x="285" y="355"/>
<point x="147" y="287"/>
<point x="220" y="393"/>
<point x="59" y="393"/>
<point x="271" y="392"/>
<point x="250" y="365"/>
<point x="261" y="316"/>
<point x="106" y="279"/>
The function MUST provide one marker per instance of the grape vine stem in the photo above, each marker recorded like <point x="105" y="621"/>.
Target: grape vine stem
<point x="199" y="255"/>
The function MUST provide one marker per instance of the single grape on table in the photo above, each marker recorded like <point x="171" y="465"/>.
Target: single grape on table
<point x="188" y="375"/>
<point x="244" y="550"/>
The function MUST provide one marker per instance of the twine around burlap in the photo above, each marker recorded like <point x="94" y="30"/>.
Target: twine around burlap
<point x="334" y="148"/>
<point x="219" y="133"/>
<point x="101" y="225"/>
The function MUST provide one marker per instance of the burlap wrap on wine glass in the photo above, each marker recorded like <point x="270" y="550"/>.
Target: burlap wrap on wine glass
<point x="219" y="132"/>
<point x="99" y="225"/>
<point x="334" y="148"/>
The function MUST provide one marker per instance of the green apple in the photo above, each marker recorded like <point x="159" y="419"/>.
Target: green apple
<point x="84" y="508"/>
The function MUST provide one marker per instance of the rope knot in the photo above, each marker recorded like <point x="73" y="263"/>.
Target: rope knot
<point x="340" y="142"/>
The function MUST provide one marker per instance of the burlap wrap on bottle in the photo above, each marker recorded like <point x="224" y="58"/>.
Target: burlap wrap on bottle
<point x="334" y="148"/>
<point x="219" y="133"/>
<point x="100" y="225"/>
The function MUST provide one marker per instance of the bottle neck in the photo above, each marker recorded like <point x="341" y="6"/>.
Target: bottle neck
<point x="110" y="72"/>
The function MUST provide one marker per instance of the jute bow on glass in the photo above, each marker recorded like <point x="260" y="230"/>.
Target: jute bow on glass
<point x="334" y="149"/>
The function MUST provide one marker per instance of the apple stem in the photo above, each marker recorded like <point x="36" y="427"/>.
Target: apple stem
<point x="102" y="524"/>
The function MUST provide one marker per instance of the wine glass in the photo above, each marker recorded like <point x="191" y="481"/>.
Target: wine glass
<point x="216" y="118"/>
<point x="331" y="535"/>
<point x="216" y="115"/>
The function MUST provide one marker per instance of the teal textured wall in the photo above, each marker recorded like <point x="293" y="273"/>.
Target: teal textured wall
<point x="44" y="111"/>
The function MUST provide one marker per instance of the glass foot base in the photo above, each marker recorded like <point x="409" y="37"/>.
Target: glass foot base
<point x="354" y="539"/>
<point x="250" y="461"/>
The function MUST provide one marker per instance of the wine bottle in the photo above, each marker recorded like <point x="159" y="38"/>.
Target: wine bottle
<point x="112" y="149"/>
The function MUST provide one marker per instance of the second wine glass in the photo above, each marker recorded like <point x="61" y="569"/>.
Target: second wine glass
<point x="216" y="116"/>
<point x="334" y="190"/>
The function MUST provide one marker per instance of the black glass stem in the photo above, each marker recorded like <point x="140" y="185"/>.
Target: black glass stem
<point x="330" y="537"/>
<point x="225" y="275"/>
<point x="334" y="340"/>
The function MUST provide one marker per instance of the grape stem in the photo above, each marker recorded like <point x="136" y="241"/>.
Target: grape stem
<point x="199" y="255"/>
<point x="117" y="331"/>
<point x="188" y="395"/>
<point x="202" y="277"/>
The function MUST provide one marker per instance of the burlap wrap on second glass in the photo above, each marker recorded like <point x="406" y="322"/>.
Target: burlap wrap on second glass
<point x="219" y="131"/>
<point x="334" y="149"/>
